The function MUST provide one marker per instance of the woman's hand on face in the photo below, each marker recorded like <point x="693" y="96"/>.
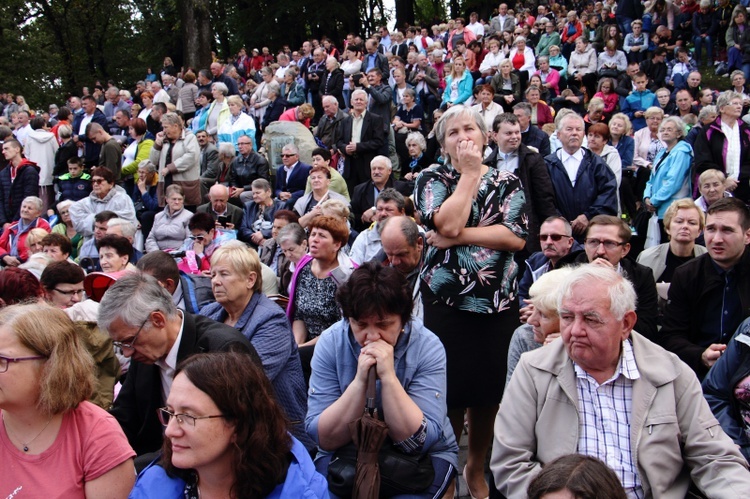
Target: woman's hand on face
<point x="382" y="353"/>
<point x="469" y="155"/>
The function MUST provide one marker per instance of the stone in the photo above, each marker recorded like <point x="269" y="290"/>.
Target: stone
<point x="280" y="133"/>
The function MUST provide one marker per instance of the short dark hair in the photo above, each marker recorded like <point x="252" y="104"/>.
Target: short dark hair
<point x="160" y="106"/>
<point x="320" y="169"/>
<point x="622" y="228"/>
<point x="139" y="126"/>
<point x="75" y="160"/>
<point x="160" y="265"/>
<point x="322" y="152"/>
<point x="37" y="122"/>
<point x="732" y="205"/>
<point x="120" y="244"/>
<point x="105" y="216"/>
<point x="59" y="240"/>
<point x="18" y="285"/>
<point x="63" y="272"/>
<point x="375" y="290"/>
<point x="89" y="97"/>
<point x="376" y="71"/>
<point x="390" y="194"/>
<point x="288" y="215"/>
<point x="503" y="118"/>
<point x="105" y="173"/>
<point x="660" y="51"/>
<point x="202" y="220"/>
<point x="585" y="477"/>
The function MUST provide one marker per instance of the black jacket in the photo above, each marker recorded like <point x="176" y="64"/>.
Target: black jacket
<point x="136" y="406"/>
<point x="685" y="312"/>
<point x="333" y="86"/>
<point x="537" y="189"/>
<point x="373" y="141"/>
<point x="363" y="198"/>
<point x="538" y="139"/>
<point x="710" y="153"/>
<point x="12" y="193"/>
<point x="91" y="149"/>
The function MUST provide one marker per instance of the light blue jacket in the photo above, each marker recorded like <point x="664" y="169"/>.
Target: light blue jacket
<point x="670" y="180"/>
<point x="465" y="87"/>
<point x="419" y="360"/>
<point x="301" y="481"/>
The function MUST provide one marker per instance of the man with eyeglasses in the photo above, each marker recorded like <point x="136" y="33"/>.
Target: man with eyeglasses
<point x="144" y="322"/>
<point x="606" y="244"/>
<point x="556" y="240"/>
<point x="291" y="177"/>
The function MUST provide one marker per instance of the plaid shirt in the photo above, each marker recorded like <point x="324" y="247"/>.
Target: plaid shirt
<point x="604" y="423"/>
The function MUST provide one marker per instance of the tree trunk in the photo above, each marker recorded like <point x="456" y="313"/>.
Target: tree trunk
<point x="196" y="32"/>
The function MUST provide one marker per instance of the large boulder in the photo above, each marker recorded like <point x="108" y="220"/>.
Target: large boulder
<point x="280" y="133"/>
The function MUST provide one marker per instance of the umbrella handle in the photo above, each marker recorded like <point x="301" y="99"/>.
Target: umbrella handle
<point x="370" y="393"/>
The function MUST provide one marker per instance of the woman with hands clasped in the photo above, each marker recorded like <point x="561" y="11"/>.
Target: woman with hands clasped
<point x="379" y="330"/>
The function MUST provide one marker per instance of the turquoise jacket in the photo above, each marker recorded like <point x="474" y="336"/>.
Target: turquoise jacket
<point x="670" y="179"/>
<point x="465" y="87"/>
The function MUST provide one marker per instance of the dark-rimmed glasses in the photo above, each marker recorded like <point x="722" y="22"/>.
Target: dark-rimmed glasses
<point x="130" y="344"/>
<point x="165" y="415"/>
<point x="5" y="361"/>
<point x="608" y="244"/>
<point x="554" y="237"/>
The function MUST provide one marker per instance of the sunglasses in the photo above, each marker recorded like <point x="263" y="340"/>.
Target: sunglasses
<point x="97" y="180"/>
<point x="288" y="155"/>
<point x="554" y="237"/>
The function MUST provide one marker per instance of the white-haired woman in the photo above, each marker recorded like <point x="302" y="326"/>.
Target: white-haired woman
<point x="475" y="217"/>
<point x="259" y="100"/>
<point x="237" y="125"/>
<point x="332" y="81"/>
<point x="218" y="112"/>
<point x="418" y="160"/>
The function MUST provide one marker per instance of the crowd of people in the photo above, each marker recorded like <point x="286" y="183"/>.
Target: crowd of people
<point x="531" y="230"/>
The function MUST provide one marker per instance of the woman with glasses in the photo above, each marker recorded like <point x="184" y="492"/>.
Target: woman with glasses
<point x="53" y="442"/>
<point x="670" y="176"/>
<point x="227" y="437"/>
<point x="200" y="244"/>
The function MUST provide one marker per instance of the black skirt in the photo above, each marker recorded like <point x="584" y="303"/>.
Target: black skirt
<point x="476" y="348"/>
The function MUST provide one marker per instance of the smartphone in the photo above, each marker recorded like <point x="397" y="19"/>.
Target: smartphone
<point x="223" y="220"/>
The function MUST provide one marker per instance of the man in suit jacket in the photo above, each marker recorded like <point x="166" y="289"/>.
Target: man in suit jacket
<point x="330" y="121"/>
<point x="218" y="206"/>
<point x="362" y="137"/>
<point x="501" y="22"/>
<point x="427" y="85"/>
<point x="209" y="152"/>
<point x="366" y="193"/>
<point x="142" y="319"/>
<point x="291" y="176"/>
<point x="374" y="59"/>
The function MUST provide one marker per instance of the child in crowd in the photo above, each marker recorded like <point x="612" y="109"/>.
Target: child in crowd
<point x="74" y="185"/>
<point x="635" y="104"/>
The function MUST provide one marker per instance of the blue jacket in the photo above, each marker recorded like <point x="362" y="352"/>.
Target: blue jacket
<point x="719" y="384"/>
<point x="595" y="192"/>
<point x="536" y="265"/>
<point x="91" y="149"/>
<point x="626" y="147"/>
<point x="670" y="179"/>
<point x="419" y="362"/>
<point x="301" y="481"/>
<point x="638" y="101"/>
<point x="465" y="87"/>
<point x="76" y="188"/>
<point x="264" y="323"/>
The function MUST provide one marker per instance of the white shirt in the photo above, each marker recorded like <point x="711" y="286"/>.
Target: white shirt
<point x="84" y="123"/>
<point x="22" y="132"/>
<point x="733" y="150"/>
<point x="477" y="28"/>
<point x="162" y="96"/>
<point x="507" y="162"/>
<point x="289" y="170"/>
<point x="571" y="162"/>
<point x="169" y="363"/>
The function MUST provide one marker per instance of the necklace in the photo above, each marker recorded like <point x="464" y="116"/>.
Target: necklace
<point x="26" y="444"/>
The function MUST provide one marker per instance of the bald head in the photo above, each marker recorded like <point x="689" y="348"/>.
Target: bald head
<point x="402" y="243"/>
<point x="219" y="196"/>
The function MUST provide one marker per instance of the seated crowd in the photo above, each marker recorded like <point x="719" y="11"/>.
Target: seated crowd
<point x="496" y="220"/>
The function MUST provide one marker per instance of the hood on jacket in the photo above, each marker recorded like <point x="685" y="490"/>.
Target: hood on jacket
<point x="41" y="136"/>
<point x="24" y="163"/>
<point x="112" y="193"/>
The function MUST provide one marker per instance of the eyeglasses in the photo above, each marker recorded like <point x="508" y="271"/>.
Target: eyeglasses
<point x="5" y="361"/>
<point x="199" y="238"/>
<point x="70" y="293"/>
<point x="610" y="245"/>
<point x="130" y="345"/>
<point x="243" y="143"/>
<point x="165" y="416"/>
<point x="288" y="155"/>
<point x="554" y="237"/>
<point x="97" y="180"/>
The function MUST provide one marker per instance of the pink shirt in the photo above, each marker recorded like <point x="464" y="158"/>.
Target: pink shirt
<point x="90" y="443"/>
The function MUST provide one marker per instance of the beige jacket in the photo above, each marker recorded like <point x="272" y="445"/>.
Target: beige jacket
<point x="674" y="435"/>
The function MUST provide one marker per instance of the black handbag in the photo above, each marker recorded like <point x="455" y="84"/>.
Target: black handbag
<point x="399" y="473"/>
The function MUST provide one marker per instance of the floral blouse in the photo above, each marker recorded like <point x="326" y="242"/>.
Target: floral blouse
<point x="473" y="278"/>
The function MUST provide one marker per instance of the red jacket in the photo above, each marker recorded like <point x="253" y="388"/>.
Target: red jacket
<point x="11" y="233"/>
<point x="566" y="38"/>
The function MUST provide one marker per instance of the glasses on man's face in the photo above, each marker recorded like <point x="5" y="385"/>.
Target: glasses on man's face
<point x="608" y="244"/>
<point x="5" y="361"/>
<point x="243" y="143"/>
<point x="130" y="344"/>
<point x="288" y="155"/>
<point x="165" y="415"/>
<point x="554" y="237"/>
<point x="71" y="293"/>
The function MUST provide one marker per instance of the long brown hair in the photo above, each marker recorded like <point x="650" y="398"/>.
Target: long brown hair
<point x="243" y="394"/>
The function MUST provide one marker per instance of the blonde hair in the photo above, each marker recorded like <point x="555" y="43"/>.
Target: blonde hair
<point x="35" y="236"/>
<point x="67" y="376"/>
<point x="336" y="208"/>
<point x="241" y="259"/>
<point x="683" y="204"/>
<point x="543" y="293"/>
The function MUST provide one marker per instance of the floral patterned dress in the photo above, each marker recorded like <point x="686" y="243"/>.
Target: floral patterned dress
<point x="473" y="278"/>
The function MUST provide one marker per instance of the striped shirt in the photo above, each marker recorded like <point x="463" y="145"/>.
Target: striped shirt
<point x="604" y="424"/>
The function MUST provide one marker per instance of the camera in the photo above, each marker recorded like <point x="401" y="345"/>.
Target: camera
<point x="357" y="79"/>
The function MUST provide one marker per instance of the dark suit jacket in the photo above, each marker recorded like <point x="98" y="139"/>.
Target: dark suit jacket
<point x="381" y="62"/>
<point x="372" y="141"/>
<point x="537" y="138"/>
<point x="140" y="397"/>
<point x="363" y="198"/>
<point x="537" y="188"/>
<point x="297" y="181"/>
<point x="209" y="158"/>
<point x="234" y="213"/>
<point x="400" y="50"/>
<point x="328" y="127"/>
<point x="431" y="78"/>
<point x="91" y="149"/>
<point x="273" y="112"/>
